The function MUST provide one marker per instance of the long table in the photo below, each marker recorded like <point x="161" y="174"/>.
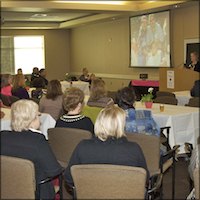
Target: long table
<point x="46" y="122"/>
<point x="183" y="120"/>
<point x="84" y="86"/>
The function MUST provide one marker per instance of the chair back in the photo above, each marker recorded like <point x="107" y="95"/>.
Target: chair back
<point x="99" y="181"/>
<point x="112" y="94"/>
<point x="166" y="100"/>
<point x="64" y="140"/>
<point x="8" y="100"/>
<point x="196" y="182"/>
<point x="194" y="102"/>
<point x="91" y="112"/>
<point x="164" y="93"/>
<point x="17" y="178"/>
<point x="150" y="146"/>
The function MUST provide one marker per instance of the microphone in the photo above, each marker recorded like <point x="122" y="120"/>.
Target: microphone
<point x="181" y="65"/>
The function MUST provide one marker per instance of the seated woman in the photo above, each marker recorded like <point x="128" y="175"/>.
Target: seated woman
<point x="137" y="121"/>
<point x="18" y="89"/>
<point x="73" y="101"/>
<point x="85" y="76"/>
<point x="98" y="95"/>
<point x="25" y="141"/>
<point x="110" y="145"/>
<point x="6" y="87"/>
<point x="52" y="102"/>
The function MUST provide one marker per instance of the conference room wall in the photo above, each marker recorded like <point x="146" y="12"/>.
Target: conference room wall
<point x="57" y="54"/>
<point x="104" y="47"/>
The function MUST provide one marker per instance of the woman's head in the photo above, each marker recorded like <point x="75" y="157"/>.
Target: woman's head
<point x="53" y="89"/>
<point x="110" y="123"/>
<point x="98" y="89"/>
<point x="73" y="99"/>
<point x="125" y="98"/>
<point x="85" y="71"/>
<point x="18" y="81"/>
<point x="194" y="56"/>
<point x="24" y="115"/>
<point x="6" y="80"/>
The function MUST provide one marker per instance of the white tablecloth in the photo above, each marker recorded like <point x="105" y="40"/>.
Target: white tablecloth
<point x="46" y="122"/>
<point x="183" y="120"/>
<point x="183" y="97"/>
<point x="84" y="86"/>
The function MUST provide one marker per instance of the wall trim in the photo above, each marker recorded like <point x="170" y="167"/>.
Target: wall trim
<point x="116" y="76"/>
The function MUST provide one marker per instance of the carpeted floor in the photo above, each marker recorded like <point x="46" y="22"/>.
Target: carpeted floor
<point x="182" y="187"/>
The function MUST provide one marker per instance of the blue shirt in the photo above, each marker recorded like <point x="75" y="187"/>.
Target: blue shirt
<point x="141" y="121"/>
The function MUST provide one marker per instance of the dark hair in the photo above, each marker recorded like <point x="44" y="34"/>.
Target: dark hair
<point x="53" y="89"/>
<point x="125" y="98"/>
<point x="41" y="70"/>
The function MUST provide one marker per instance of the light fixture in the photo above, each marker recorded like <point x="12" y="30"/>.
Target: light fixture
<point x="39" y="15"/>
<point x="94" y="2"/>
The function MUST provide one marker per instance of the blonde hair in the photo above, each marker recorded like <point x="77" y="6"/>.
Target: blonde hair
<point x="18" y="81"/>
<point x="110" y="123"/>
<point x="98" y="89"/>
<point x="71" y="98"/>
<point x="23" y="112"/>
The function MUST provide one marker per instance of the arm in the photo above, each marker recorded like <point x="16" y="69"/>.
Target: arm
<point x="46" y="158"/>
<point x="74" y="160"/>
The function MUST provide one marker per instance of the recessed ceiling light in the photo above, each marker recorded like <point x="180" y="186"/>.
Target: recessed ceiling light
<point x="40" y="15"/>
<point x="176" y="6"/>
<point x="95" y="2"/>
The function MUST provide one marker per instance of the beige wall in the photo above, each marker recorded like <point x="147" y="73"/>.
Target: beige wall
<point x="57" y="57"/>
<point x="104" y="47"/>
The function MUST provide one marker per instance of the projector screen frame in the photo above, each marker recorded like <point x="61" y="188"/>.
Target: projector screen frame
<point x="170" y="42"/>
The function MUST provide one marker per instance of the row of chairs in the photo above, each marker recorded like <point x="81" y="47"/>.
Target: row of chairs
<point x="64" y="140"/>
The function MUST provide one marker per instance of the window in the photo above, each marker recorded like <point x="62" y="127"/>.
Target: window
<point x="26" y="52"/>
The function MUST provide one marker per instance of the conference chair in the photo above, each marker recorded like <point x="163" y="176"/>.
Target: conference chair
<point x="64" y="140"/>
<point x="156" y="163"/>
<point x="18" y="179"/>
<point x="166" y="100"/>
<point x="105" y="181"/>
<point x="164" y="93"/>
<point x="91" y="112"/>
<point x="194" y="102"/>
<point x="112" y="94"/>
<point x="196" y="182"/>
<point x="8" y="100"/>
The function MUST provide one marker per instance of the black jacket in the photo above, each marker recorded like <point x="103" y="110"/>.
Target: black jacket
<point x="34" y="147"/>
<point x="112" y="151"/>
<point x="195" y="91"/>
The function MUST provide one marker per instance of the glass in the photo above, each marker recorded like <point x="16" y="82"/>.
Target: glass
<point x="162" y="108"/>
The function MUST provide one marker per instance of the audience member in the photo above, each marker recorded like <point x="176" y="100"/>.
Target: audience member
<point x="137" y="121"/>
<point x="92" y="77"/>
<point x="25" y="141"/>
<point x="195" y="91"/>
<point x="18" y="89"/>
<point x="85" y="76"/>
<point x="35" y="73"/>
<point x="73" y="102"/>
<point x="52" y="102"/>
<point x="6" y="87"/>
<point x="41" y="81"/>
<point x="110" y="145"/>
<point x="19" y="71"/>
<point x="98" y="94"/>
